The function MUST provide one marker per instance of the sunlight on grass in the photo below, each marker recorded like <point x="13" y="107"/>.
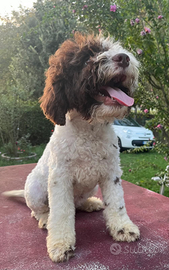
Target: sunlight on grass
<point x="140" y="168"/>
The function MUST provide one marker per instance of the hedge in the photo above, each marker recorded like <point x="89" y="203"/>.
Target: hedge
<point x="33" y="122"/>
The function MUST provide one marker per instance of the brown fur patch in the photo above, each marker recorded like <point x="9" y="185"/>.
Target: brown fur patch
<point x="71" y="79"/>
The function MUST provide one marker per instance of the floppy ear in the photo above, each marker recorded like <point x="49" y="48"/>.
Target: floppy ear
<point x="54" y="103"/>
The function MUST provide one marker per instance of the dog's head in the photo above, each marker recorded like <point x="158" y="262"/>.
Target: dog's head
<point x="93" y="75"/>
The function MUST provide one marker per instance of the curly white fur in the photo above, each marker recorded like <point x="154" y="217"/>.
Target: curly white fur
<point x="80" y="156"/>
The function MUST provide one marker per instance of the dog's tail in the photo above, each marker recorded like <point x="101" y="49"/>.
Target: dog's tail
<point x="14" y="193"/>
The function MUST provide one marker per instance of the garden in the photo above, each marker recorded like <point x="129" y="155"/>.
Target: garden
<point x="30" y="36"/>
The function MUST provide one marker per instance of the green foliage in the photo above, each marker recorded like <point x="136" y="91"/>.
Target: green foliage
<point x="24" y="145"/>
<point x="27" y="41"/>
<point x="34" y="122"/>
<point x="143" y="28"/>
<point x="35" y="149"/>
<point x="11" y="109"/>
<point x="43" y="29"/>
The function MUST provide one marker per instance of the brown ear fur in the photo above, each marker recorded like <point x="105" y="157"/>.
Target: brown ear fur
<point x="54" y="102"/>
<point x="64" y="80"/>
<point x="54" y="105"/>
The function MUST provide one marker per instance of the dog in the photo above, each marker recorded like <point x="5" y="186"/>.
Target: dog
<point x="89" y="83"/>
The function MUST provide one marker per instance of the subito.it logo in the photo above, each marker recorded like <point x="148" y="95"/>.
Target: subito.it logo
<point x="115" y="249"/>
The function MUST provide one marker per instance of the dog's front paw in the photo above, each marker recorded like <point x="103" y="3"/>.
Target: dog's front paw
<point x="128" y="232"/>
<point x="61" y="252"/>
<point x="92" y="204"/>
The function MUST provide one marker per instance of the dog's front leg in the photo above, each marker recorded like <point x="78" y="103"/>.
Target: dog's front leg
<point x="61" y="222"/>
<point x="118" y="222"/>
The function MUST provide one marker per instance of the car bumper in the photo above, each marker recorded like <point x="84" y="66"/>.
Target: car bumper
<point x="135" y="143"/>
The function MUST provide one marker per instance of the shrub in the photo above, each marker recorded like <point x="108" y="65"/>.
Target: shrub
<point x="33" y="122"/>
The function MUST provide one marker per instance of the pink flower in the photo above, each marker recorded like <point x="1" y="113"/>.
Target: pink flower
<point x="157" y="97"/>
<point x="146" y="111"/>
<point x="129" y="170"/>
<point x="85" y="6"/>
<point x="154" y="143"/>
<point x="100" y="30"/>
<point x="132" y="22"/>
<point x="147" y="30"/>
<point x="139" y="51"/>
<point x="74" y="10"/>
<point x="159" y="126"/>
<point x="142" y="33"/>
<point x="113" y="8"/>
<point x="165" y="158"/>
<point x="160" y="17"/>
<point x="137" y="20"/>
<point x="54" y="6"/>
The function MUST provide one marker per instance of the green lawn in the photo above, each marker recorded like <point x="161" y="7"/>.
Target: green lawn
<point x="140" y="168"/>
<point x="137" y="168"/>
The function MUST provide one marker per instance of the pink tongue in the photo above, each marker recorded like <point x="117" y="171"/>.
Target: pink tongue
<point x="120" y="96"/>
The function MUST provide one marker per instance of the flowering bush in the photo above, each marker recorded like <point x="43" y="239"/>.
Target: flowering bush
<point x="113" y="8"/>
<point x="143" y="28"/>
<point x="145" y="111"/>
<point x="24" y="145"/>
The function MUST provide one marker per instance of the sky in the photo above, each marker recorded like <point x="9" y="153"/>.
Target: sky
<point x="6" y="6"/>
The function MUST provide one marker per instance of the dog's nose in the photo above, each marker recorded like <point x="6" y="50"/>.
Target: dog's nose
<point x="122" y="59"/>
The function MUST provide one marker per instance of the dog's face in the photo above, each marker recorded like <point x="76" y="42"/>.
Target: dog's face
<point x="93" y="75"/>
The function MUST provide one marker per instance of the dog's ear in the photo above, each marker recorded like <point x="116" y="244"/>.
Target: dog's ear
<point x="54" y="102"/>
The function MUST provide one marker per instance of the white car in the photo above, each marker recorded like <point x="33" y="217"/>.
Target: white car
<point x="131" y="135"/>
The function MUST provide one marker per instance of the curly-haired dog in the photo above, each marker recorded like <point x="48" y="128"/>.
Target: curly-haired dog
<point x="90" y="82"/>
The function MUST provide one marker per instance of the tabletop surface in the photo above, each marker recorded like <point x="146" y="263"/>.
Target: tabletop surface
<point x="23" y="244"/>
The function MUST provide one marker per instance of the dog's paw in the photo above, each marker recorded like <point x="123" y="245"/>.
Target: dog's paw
<point x="60" y="252"/>
<point x="92" y="204"/>
<point x="128" y="232"/>
<point x="43" y="219"/>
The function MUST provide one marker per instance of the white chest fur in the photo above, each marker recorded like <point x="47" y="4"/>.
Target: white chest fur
<point x="88" y="151"/>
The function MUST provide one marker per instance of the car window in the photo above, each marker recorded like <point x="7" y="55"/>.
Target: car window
<point x="130" y="122"/>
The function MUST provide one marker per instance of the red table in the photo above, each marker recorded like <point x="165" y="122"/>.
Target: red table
<point x="23" y="245"/>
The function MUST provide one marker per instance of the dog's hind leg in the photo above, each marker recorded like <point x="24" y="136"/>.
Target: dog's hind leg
<point x="36" y="197"/>
<point x="42" y="218"/>
<point x="92" y="204"/>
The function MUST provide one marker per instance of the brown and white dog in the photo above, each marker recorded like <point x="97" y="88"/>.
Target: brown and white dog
<point x="90" y="82"/>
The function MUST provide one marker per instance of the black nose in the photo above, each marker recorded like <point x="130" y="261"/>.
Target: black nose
<point x="122" y="59"/>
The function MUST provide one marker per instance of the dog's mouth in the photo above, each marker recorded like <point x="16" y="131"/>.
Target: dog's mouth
<point x="114" y="93"/>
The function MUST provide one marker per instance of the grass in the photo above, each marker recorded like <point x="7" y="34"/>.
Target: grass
<point x="141" y="167"/>
<point x="137" y="168"/>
